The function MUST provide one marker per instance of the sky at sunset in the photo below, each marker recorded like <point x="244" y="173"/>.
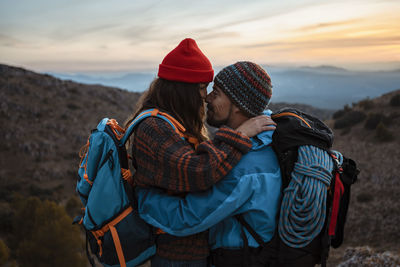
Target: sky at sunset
<point x="70" y="36"/>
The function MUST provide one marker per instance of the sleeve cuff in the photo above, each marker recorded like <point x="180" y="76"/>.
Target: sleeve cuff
<point x="234" y="138"/>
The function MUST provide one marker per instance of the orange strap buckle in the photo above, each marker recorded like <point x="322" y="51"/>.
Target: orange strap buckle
<point x="127" y="176"/>
<point x="117" y="130"/>
<point x="111" y="227"/>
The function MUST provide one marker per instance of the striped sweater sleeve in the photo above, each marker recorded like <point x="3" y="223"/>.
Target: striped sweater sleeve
<point x="165" y="160"/>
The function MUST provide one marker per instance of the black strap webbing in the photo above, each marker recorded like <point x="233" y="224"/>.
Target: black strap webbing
<point x="250" y="229"/>
<point x="90" y="258"/>
<point x="245" y="259"/>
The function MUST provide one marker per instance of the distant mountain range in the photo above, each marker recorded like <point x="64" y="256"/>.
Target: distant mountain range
<point x="330" y="87"/>
<point x="326" y="87"/>
<point x="135" y="82"/>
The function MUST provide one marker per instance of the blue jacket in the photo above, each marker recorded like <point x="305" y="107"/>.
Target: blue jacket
<point x="253" y="188"/>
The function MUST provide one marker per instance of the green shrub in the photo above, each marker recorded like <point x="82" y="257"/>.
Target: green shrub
<point x="7" y="190"/>
<point x="39" y="192"/>
<point x="382" y="134"/>
<point x="13" y="187"/>
<point x="72" y="106"/>
<point x="374" y="119"/>
<point x="341" y="112"/>
<point x="45" y="236"/>
<point x="4" y="253"/>
<point x="64" y="116"/>
<point x="395" y="100"/>
<point x="366" y="104"/>
<point x="365" y="197"/>
<point x="74" y="90"/>
<point x="73" y="206"/>
<point x="394" y="115"/>
<point x="338" y="114"/>
<point x="58" y="188"/>
<point x="345" y="131"/>
<point x="349" y="119"/>
<point x="5" y="220"/>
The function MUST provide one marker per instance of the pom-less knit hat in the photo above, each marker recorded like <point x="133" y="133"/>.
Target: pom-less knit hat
<point x="186" y="63"/>
<point x="247" y="85"/>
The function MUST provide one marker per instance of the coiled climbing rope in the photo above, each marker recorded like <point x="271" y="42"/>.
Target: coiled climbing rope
<point x="303" y="208"/>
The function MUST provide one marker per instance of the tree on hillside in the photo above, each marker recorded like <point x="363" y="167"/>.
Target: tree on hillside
<point x="45" y="235"/>
<point x="73" y="206"/>
<point x="4" y="252"/>
<point x="395" y="101"/>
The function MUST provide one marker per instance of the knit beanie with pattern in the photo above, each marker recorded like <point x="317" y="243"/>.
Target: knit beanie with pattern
<point x="247" y="85"/>
<point x="186" y="63"/>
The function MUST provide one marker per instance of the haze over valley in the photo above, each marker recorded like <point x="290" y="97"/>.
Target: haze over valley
<point x="325" y="87"/>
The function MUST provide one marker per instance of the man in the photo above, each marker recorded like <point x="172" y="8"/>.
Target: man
<point x="252" y="188"/>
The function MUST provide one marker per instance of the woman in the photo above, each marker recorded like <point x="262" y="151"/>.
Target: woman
<point x="164" y="160"/>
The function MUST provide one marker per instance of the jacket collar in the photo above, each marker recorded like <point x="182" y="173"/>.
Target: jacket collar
<point x="264" y="138"/>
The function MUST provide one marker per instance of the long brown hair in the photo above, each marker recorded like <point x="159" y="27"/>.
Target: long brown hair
<point x="181" y="100"/>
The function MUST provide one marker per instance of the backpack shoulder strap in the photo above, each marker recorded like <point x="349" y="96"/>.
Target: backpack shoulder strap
<point x="288" y="113"/>
<point x="178" y="128"/>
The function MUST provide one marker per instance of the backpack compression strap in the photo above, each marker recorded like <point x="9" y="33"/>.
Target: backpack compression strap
<point x="178" y="128"/>
<point x="98" y="234"/>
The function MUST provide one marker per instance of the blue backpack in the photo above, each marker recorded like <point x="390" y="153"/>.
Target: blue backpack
<point x="316" y="187"/>
<point x="114" y="230"/>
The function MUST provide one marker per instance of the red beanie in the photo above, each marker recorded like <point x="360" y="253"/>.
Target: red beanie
<point x="186" y="63"/>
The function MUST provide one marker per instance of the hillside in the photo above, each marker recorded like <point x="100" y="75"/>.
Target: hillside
<point x="45" y="122"/>
<point x="373" y="218"/>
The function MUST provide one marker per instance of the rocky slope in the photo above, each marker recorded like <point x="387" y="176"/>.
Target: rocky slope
<point x="373" y="217"/>
<point x="367" y="257"/>
<point x="44" y="123"/>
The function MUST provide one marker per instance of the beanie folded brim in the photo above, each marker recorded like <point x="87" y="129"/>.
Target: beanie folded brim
<point x="173" y="73"/>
